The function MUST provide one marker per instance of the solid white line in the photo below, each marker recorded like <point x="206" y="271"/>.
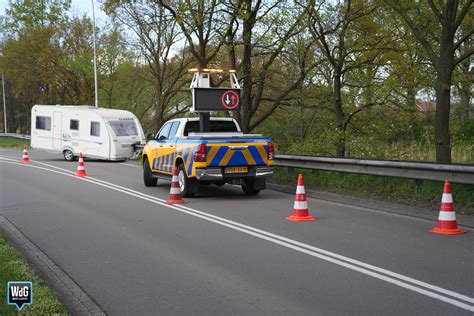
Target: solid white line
<point x="292" y="244"/>
<point x="130" y="165"/>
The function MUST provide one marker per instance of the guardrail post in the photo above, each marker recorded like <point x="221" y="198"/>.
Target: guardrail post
<point x="418" y="185"/>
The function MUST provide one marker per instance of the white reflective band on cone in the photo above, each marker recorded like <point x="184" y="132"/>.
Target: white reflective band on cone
<point x="175" y="179"/>
<point x="175" y="191"/>
<point x="300" y="190"/>
<point x="80" y="168"/>
<point x="447" y="198"/>
<point x="447" y="216"/>
<point x="300" y="205"/>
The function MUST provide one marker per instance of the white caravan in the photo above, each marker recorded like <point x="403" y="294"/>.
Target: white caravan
<point x="96" y="132"/>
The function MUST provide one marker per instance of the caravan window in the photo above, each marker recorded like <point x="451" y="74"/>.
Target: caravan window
<point x="74" y="125"/>
<point x="43" y="122"/>
<point x="95" y="128"/>
<point x="124" y="128"/>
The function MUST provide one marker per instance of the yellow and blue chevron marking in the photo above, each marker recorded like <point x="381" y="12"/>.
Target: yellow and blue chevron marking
<point x="219" y="154"/>
<point x="225" y="156"/>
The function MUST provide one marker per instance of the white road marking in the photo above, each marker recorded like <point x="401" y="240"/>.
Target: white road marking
<point x="130" y="165"/>
<point x="376" y="272"/>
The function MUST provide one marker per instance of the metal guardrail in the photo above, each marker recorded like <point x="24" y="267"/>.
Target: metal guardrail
<point x="458" y="173"/>
<point x="22" y="136"/>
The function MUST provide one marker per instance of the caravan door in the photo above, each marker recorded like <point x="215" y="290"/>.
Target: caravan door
<point x="57" y="130"/>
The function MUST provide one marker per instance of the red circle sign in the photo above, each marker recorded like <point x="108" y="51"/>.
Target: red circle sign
<point x="230" y="99"/>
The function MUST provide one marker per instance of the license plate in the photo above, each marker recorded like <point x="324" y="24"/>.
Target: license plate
<point x="236" y="170"/>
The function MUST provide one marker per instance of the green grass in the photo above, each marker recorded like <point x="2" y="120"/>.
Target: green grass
<point x="460" y="153"/>
<point x="12" y="142"/>
<point x="425" y="194"/>
<point x="14" y="268"/>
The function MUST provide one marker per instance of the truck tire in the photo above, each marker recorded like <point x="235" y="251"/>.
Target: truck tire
<point x="248" y="186"/>
<point x="69" y="155"/>
<point x="186" y="185"/>
<point x="147" y="175"/>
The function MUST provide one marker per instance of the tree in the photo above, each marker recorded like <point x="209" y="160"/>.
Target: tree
<point x="25" y="14"/>
<point x="437" y="29"/>
<point x="27" y="56"/>
<point x="158" y="39"/>
<point x="467" y="77"/>
<point x="199" y="20"/>
<point x="334" y="27"/>
<point x="272" y="44"/>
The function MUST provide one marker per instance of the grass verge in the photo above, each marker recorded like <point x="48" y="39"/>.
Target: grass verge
<point x="14" y="268"/>
<point x="12" y="142"/>
<point x="426" y="194"/>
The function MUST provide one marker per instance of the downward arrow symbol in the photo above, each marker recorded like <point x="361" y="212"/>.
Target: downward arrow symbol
<point x="227" y="100"/>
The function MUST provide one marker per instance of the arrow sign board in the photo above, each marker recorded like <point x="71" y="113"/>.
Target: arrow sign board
<point x="215" y="99"/>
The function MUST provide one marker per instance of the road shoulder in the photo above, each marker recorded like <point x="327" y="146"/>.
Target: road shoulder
<point x="72" y="296"/>
<point x="463" y="220"/>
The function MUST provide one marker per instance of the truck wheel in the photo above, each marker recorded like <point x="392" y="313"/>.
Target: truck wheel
<point x="248" y="186"/>
<point x="69" y="155"/>
<point x="185" y="184"/>
<point x="147" y="175"/>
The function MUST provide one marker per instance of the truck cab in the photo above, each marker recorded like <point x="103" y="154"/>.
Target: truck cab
<point x="222" y="155"/>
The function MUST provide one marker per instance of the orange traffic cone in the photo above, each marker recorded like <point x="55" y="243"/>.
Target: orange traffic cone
<point x="81" y="171"/>
<point x="175" y="193"/>
<point x="447" y="224"/>
<point x="300" y="209"/>
<point x="25" y="158"/>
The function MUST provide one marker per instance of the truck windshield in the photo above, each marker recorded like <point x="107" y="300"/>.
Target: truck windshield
<point x="124" y="128"/>
<point x="214" y="127"/>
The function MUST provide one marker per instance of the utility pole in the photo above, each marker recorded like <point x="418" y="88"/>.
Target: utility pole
<point x="4" y="106"/>
<point x="95" y="57"/>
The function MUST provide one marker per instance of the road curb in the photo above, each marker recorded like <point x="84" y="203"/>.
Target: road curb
<point x="388" y="207"/>
<point x="69" y="293"/>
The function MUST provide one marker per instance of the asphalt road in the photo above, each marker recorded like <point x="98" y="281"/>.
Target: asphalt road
<point x="227" y="253"/>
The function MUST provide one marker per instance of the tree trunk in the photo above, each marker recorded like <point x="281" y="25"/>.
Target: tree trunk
<point x="246" y="97"/>
<point x="340" y="137"/>
<point x="443" y="104"/>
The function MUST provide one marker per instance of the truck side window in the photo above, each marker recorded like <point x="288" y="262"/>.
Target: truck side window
<point x="95" y="128"/>
<point x="43" y="122"/>
<point x="173" y="130"/>
<point x="74" y="125"/>
<point x="165" y="130"/>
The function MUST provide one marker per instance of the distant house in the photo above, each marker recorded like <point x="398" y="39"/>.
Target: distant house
<point x="426" y="106"/>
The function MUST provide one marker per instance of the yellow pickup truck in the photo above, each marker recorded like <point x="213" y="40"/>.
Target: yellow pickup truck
<point x="222" y="155"/>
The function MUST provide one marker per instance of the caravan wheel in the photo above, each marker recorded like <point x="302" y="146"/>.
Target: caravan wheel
<point x="69" y="155"/>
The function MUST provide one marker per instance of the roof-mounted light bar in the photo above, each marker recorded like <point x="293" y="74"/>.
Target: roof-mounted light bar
<point x="211" y="70"/>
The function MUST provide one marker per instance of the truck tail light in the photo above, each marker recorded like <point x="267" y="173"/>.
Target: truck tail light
<point x="200" y="155"/>
<point x="271" y="151"/>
